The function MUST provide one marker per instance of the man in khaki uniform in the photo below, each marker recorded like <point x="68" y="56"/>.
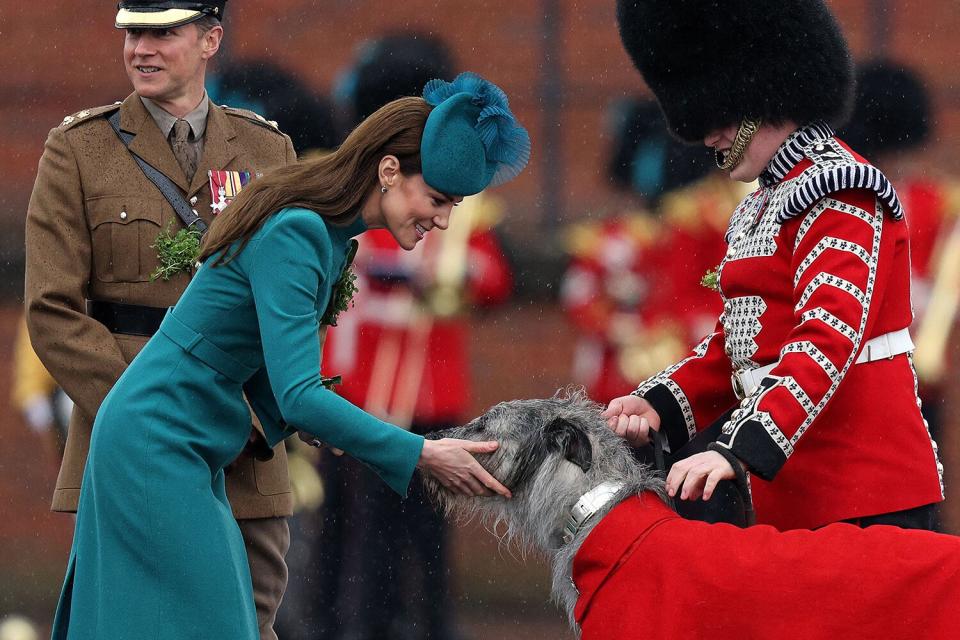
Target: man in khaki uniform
<point x="93" y="219"/>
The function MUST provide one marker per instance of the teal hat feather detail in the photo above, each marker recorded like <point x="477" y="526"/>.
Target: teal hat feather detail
<point x="471" y="139"/>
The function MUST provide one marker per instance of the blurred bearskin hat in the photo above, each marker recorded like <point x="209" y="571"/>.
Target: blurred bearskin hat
<point x="277" y="94"/>
<point x="645" y="158"/>
<point x="892" y="110"/>
<point x="712" y="63"/>
<point x="395" y="66"/>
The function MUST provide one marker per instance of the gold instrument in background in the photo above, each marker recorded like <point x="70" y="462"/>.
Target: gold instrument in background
<point x="642" y="352"/>
<point x="941" y="313"/>
<point x="703" y="207"/>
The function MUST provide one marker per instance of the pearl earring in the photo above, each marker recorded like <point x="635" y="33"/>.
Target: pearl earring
<point x="383" y="189"/>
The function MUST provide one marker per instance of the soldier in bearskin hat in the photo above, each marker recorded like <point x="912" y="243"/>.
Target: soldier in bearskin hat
<point x="812" y="348"/>
<point x="265" y="87"/>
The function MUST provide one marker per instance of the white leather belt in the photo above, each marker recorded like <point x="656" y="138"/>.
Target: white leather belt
<point x="746" y="381"/>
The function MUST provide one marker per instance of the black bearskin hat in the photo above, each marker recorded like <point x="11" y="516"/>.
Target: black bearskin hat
<point x="712" y="63"/>
<point x="265" y="88"/>
<point x="395" y="66"/>
<point x="646" y="159"/>
<point x="892" y="110"/>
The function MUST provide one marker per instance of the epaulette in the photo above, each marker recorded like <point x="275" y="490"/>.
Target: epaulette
<point x="680" y="207"/>
<point x="836" y="169"/>
<point x="87" y="114"/>
<point x="252" y="116"/>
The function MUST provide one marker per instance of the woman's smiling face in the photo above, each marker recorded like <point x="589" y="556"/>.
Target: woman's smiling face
<point x="409" y="208"/>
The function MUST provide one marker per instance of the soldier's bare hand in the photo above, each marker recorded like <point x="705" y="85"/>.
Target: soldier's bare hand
<point x="698" y="475"/>
<point x="631" y="417"/>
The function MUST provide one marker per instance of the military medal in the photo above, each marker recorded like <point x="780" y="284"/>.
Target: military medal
<point x="224" y="187"/>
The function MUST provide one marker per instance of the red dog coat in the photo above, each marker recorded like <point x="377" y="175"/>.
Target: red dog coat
<point x="645" y="572"/>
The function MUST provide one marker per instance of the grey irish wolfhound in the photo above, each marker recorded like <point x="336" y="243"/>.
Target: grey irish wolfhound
<point x="568" y="471"/>
<point x="551" y="453"/>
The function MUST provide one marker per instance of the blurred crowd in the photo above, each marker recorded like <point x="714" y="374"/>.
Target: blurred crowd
<point x="637" y="289"/>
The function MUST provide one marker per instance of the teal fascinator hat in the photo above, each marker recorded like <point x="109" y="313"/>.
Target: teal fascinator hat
<point x="471" y="140"/>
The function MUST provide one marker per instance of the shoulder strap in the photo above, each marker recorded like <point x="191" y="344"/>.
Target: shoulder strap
<point x="836" y="169"/>
<point x="166" y="186"/>
<point x="252" y="116"/>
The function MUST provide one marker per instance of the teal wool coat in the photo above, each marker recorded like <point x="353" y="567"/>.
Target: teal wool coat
<point x="157" y="554"/>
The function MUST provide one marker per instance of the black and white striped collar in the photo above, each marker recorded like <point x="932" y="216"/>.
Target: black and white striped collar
<point x="791" y="151"/>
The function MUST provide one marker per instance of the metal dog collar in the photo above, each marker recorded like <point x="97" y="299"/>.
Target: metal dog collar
<point x="588" y="505"/>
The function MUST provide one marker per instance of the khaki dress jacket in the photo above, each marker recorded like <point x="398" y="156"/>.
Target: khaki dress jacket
<point x="92" y="219"/>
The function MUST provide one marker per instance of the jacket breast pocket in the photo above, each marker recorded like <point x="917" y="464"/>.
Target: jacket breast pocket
<point x="122" y="231"/>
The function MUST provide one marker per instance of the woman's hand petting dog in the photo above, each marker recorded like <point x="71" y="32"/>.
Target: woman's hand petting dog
<point x="698" y="475"/>
<point x="451" y="462"/>
<point x="631" y="418"/>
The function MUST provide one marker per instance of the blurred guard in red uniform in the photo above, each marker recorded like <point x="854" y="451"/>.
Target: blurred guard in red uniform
<point x="811" y="351"/>
<point x="891" y="125"/>
<point x="633" y="285"/>
<point x="402" y="353"/>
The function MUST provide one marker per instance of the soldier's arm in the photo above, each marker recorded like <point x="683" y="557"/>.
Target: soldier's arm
<point x="79" y="352"/>
<point x="690" y="395"/>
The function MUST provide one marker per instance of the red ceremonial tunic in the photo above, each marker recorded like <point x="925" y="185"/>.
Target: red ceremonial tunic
<point x="818" y="264"/>
<point x="645" y="572"/>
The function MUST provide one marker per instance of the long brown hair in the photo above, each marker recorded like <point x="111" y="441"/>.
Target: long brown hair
<point x="334" y="185"/>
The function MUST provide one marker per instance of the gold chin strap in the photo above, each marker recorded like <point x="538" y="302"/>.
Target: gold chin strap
<point x="748" y="129"/>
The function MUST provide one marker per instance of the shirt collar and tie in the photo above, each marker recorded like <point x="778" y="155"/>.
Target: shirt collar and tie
<point x="185" y="134"/>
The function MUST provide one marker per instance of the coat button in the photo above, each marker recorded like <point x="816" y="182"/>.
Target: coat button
<point x="123" y="215"/>
<point x="193" y="200"/>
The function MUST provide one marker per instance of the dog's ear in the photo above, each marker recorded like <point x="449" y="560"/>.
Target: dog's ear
<point x="571" y="440"/>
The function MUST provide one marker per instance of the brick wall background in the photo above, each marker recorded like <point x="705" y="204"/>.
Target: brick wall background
<point x="60" y="56"/>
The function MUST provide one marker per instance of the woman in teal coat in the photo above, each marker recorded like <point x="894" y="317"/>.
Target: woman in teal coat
<point x="157" y="553"/>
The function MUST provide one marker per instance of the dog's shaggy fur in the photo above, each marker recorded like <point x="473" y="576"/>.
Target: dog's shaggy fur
<point x="551" y="452"/>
